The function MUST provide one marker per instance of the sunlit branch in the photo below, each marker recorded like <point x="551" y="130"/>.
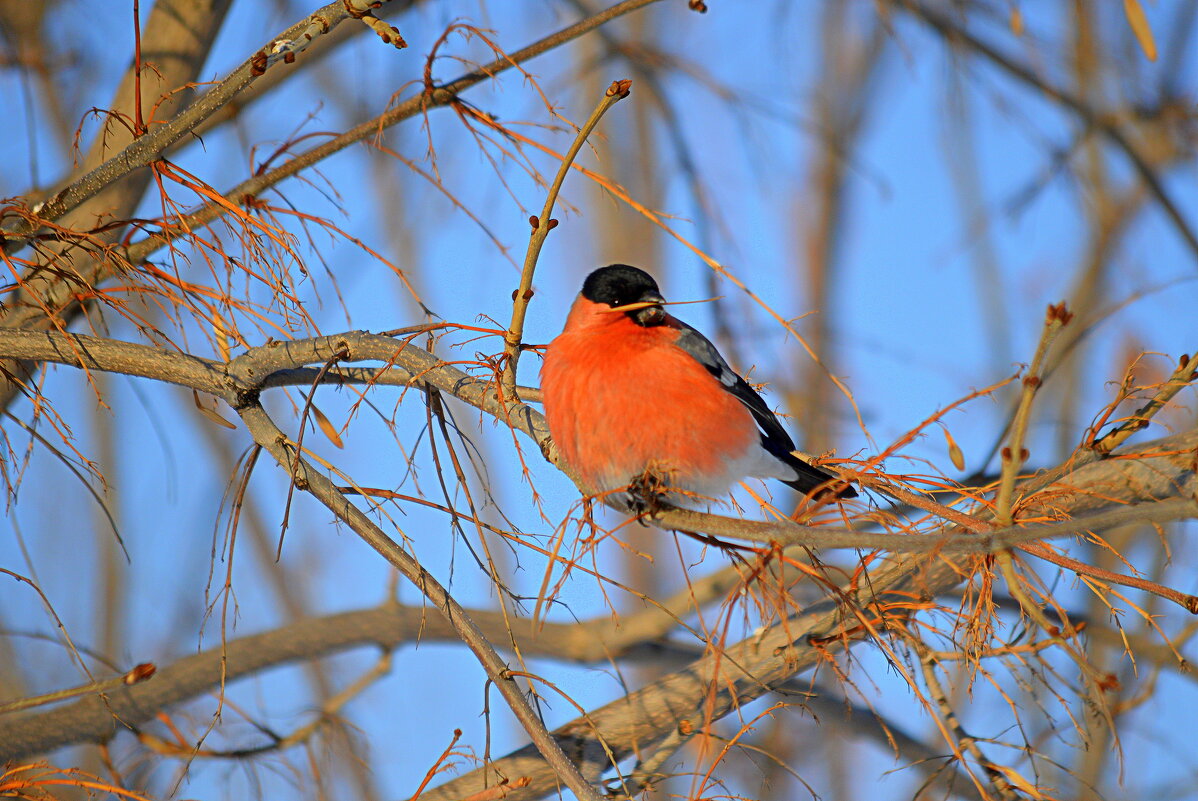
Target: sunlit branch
<point x="541" y="226"/>
<point x="267" y="434"/>
<point x="144" y="149"/>
<point x="408" y="365"/>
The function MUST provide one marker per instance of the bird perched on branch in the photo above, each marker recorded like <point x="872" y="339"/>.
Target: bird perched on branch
<point x="632" y="393"/>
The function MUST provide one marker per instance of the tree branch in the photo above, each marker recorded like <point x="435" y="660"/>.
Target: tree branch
<point x="283" y="363"/>
<point x="304" y="477"/>
<point x="148" y="147"/>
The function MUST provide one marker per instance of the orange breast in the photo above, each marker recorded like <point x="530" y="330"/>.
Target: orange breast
<point x="620" y="399"/>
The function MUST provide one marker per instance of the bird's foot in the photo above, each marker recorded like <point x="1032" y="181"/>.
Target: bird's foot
<point x="646" y="495"/>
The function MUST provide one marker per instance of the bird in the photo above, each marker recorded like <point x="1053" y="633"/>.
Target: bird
<point x="631" y="392"/>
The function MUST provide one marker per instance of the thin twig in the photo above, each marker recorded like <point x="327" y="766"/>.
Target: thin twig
<point x="1014" y="455"/>
<point x="139" y="673"/>
<point x="541" y="226"/>
<point x="443" y="95"/>
<point x="1182" y="377"/>
<point x="954" y="733"/>
<point x="1184" y="600"/>
<point x="267" y="434"/>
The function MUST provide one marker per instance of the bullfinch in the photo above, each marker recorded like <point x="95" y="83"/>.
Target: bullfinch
<point x="631" y="392"/>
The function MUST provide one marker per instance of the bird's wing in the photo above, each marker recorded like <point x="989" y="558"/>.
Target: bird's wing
<point x="773" y="436"/>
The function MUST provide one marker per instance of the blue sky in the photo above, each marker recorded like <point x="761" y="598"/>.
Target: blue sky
<point x="906" y="313"/>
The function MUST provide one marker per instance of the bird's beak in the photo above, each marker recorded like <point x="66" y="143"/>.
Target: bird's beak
<point x="648" y="310"/>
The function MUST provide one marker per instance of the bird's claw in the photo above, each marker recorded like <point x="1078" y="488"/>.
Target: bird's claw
<point x="645" y="495"/>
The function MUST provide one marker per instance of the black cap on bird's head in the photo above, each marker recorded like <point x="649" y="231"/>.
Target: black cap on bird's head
<point x="619" y="285"/>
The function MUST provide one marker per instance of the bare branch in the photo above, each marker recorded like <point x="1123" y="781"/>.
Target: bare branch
<point x="1156" y="465"/>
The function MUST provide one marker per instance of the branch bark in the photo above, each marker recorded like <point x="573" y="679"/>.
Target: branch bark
<point x="1085" y="490"/>
<point x="1157" y="475"/>
<point x="175" y="44"/>
<point x="1157" y="479"/>
<point x="45" y="299"/>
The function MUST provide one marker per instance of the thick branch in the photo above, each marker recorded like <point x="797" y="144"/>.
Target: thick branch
<point x="386" y="627"/>
<point x="711" y="687"/>
<point x="1159" y="470"/>
<point x="277" y="364"/>
<point x="55" y="295"/>
<point x="146" y="148"/>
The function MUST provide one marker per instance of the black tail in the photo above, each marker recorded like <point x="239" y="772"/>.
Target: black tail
<point x="811" y="477"/>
